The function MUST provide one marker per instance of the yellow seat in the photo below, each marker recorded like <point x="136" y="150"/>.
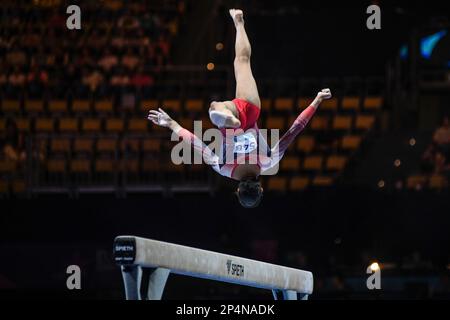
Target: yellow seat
<point x="278" y="184"/>
<point x="305" y="144"/>
<point x="81" y="106"/>
<point x="60" y="145"/>
<point x="80" y="166"/>
<point x="91" y="125"/>
<point x="150" y="165"/>
<point x="34" y="106"/>
<point x="4" y="186"/>
<point x="7" y="166"/>
<point x="137" y="125"/>
<point x="114" y="125"/>
<point x="11" y="106"/>
<point x="319" y="123"/>
<point x="44" y="125"/>
<point x="304" y="102"/>
<point x="57" y="106"/>
<point x="350" y="103"/>
<point x="342" y="122"/>
<point x="275" y="123"/>
<point x="335" y="162"/>
<point x="194" y="105"/>
<point x="313" y="163"/>
<point x="147" y="105"/>
<point x="83" y="145"/>
<point x="373" y="103"/>
<point x="171" y="105"/>
<point x="56" y="165"/>
<point x="23" y="124"/>
<point x="298" y="183"/>
<point x="187" y="123"/>
<point x="284" y="104"/>
<point x="68" y="125"/>
<point x="438" y="182"/>
<point x="322" y="181"/>
<point x="350" y="142"/>
<point x="103" y="106"/>
<point x="152" y="145"/>
<point x="104" y="165"/>
<point x="2" y="124"/>
<point x="290" y="164"/>
<point x="106" y="145"/>
<point x="266" y="104"/>
<point x="330" y="104"/>
<point x="416" y="182"/>
<point x="19" y="186"/>
<point x="364" y="122"/>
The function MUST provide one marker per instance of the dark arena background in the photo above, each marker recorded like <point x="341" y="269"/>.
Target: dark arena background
<point x="364" y="185"/>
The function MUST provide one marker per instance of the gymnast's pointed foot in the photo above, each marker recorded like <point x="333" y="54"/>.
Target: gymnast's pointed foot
<point x="237" y="15"/>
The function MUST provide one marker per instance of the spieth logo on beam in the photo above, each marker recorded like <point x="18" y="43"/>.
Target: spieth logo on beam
<point x="235" y="269"/>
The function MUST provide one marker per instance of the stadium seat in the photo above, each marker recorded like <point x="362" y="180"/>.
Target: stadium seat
<point x="2" y="124"/>
<point x="319" y="123"/>
<point x="336" y="163"/>
<point x="7" y="166"/>
<point x="104" y="165"/>
<point x="19" y="186"/>
<point x="194" y="105"/>
<point x="11" y="106"/>
<point x="329" y="105"/>
<point x="68" y="125"/>
<point x="103" y="106"/>
<point x="278" y="184"/>
<point x="91" y="125"/>
<point x="57" y="106"/>
<point x="322" y="181"/>
<point x="60" y="145"/>
<point x="151" y="145"/>
<point x="313" y="163"/>
<point x="290" y="163"/>
<point x="23" y="124"/>
<point x="171" y="105"/>
<point x="147" y="105"/>
<point x="364" y="122"/>
<point x="298" y="183"/>
<point x="438" y="182"/>
<point x="284" y="104"/>
<point x="350" y="142"/>
<point x="304" y="102"/>
<point x="137" y="125"/>
<point x="150" y="165"/>
<point x="373" y="103"/>
<point x="56" y="165"/>
<point x="114" y="125"/>
<point x="275" y="123"/>
<point x="81" y="106"/>
<point x="34" y="106"/>
<point x="342" y="122"/>
<point x="80" y="166"/>
<point x="83" y="145"/>
<point x="106" y="145"/>
<point x="416" y="182"/>
<point x="305" y="144"/>
<point x="44" y="125"/>
<point x="350" y="103"/>
<point x="266" y="104"/>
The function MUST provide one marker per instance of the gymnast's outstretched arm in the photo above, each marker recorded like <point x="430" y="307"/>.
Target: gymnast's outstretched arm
<point x="161" y="118"/>
<point x="299" y="124"/>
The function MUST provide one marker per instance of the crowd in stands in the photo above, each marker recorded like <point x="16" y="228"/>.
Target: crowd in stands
<point x="436" y="158"/>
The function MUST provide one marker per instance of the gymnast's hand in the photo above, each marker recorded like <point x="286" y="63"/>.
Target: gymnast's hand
<point x="160" y="118"/>
<point x="324" y="94"/>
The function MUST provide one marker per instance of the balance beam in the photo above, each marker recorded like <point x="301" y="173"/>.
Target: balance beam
<point x="134" y="254"/>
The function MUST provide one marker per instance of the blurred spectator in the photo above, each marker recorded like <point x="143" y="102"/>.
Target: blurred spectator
<point x="108" y="60"/>
<point x="16" y="57"/>
<point x="120" y="79"/>
<point x="441" y="137"/>
<point x="141" y="79"/>
<point x="130" y="60"/>
<point x="92" y="80"/>
<point x="12" y="142"/>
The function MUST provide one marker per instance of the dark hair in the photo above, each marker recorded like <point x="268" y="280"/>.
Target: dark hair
<point x="249" y="193"/>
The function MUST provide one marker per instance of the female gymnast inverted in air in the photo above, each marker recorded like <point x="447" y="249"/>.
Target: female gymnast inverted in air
<point x="241" y="113"/>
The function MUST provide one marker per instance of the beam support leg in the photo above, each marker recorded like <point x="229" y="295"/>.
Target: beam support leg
<point x="156" y="283"/>
<point x="132" y="276"/>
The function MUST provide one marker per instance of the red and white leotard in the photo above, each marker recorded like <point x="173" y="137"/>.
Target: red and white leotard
<point x="233" y="154"/>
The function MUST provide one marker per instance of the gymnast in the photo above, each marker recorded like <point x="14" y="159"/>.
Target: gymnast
<point x="240" y="116"/>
